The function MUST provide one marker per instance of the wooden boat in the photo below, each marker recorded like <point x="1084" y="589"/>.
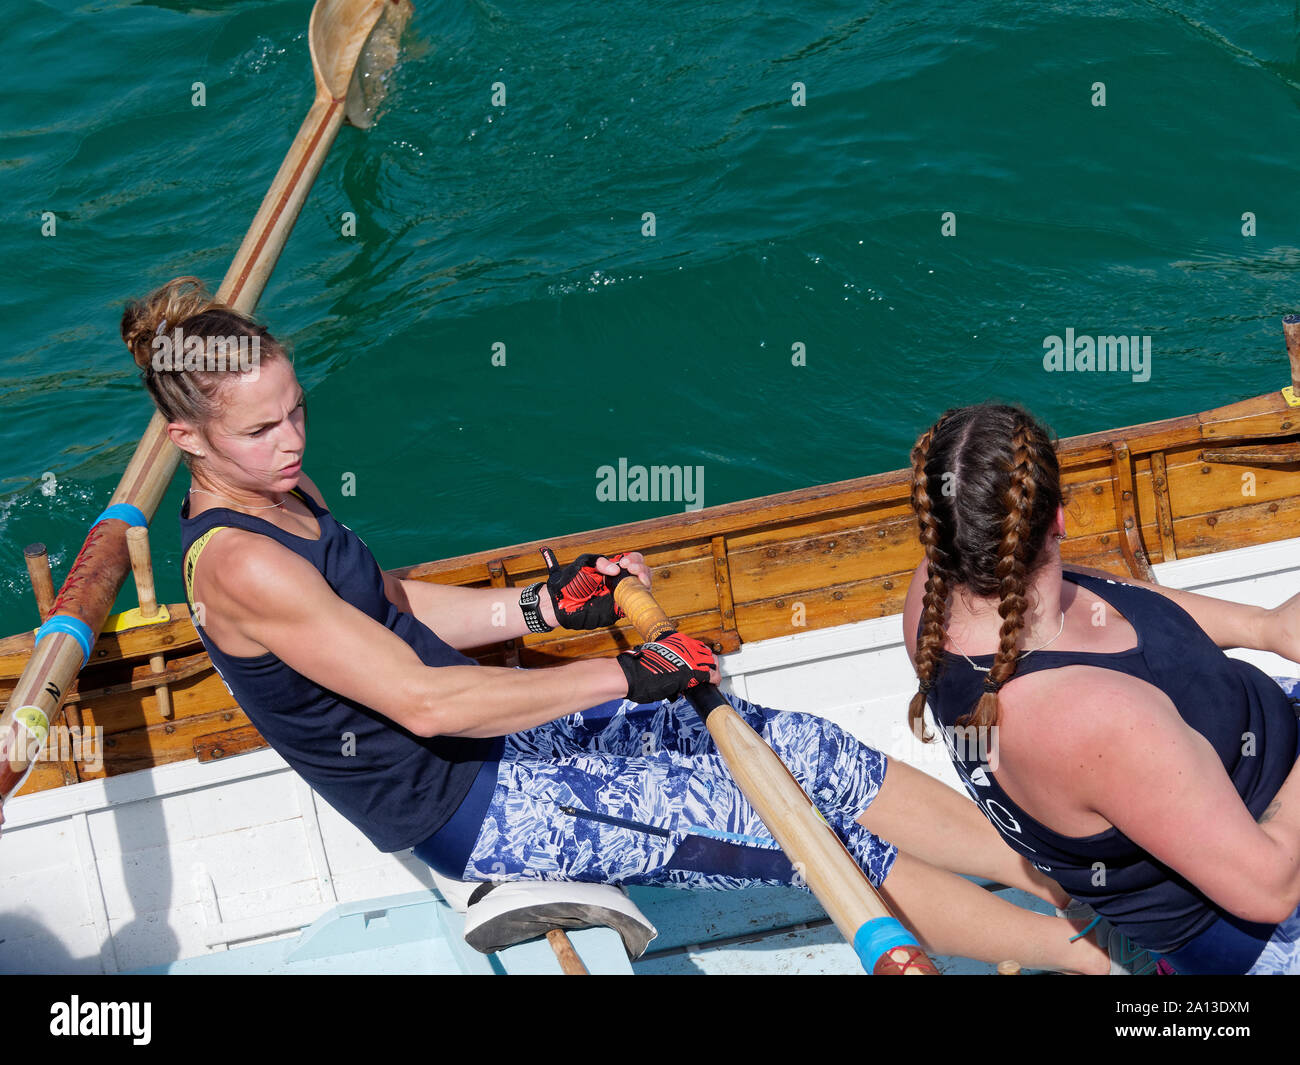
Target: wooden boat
<point x="183" y="843"/>
<point x="194" y="847"/>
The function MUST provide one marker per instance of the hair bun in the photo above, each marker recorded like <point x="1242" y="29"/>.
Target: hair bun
<point x="170" y="305"/>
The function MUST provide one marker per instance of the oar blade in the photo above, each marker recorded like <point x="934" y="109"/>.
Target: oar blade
<point x="369" y="84"/>
<point x="341" y="32"/>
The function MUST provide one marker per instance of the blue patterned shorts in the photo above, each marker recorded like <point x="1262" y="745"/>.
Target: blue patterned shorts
<point x="629" y="793"/>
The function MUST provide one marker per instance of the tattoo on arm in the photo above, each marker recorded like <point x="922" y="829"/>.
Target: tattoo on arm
<point x="1270" y="813"/>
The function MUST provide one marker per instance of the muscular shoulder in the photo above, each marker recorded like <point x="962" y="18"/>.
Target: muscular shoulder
<point x="1072" y="740"/>
<point x="249" y="571"/>
<point x="1084" y="719"/>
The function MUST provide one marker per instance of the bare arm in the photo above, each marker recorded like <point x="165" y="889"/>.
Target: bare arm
<point x="1158" y="781"/>
<point x="473" y="617"/>
<point x="278" y="599"/>
<point x="1227" y="623"/>
<point x="465" y="617"/>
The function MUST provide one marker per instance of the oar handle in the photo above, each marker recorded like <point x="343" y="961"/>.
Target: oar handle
<point x="640" y="608"/>
<point x="882" y="944"/>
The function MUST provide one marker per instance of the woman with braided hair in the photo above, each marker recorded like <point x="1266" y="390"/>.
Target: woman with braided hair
<point x="593" y="771"/>
<point x="1148" y="773"/>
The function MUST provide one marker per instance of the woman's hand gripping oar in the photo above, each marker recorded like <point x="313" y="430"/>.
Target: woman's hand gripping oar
<point x="882" y="944"/>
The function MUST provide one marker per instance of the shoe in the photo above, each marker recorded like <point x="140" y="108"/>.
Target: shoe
<point x="1126" y="957"/>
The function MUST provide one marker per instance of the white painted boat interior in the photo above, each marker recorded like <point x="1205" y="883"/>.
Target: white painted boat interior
<point x="237" y="866"/>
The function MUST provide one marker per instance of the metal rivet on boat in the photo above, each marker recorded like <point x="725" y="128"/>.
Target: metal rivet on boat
<point x="1205" y="469"/>
<point x="1096" y="489"/>
<point x="888" y="585"/>
<point x="169" y="729"/>
<point x="838" y="595"/>
<point x="1212" y="520"/>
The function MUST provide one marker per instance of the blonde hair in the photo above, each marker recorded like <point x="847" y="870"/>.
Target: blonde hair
<point x="184" y="304"/>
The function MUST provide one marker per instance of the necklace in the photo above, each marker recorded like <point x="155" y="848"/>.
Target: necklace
<point x="1023" y="654"/>
<point x="236" y="502"/>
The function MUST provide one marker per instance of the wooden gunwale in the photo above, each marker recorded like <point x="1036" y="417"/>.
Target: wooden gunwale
<point x="751" y="570"/>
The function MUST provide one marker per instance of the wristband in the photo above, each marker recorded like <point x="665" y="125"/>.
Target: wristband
<point x="530" y="601"/>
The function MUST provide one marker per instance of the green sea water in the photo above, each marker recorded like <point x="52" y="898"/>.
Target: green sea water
<point x="797" y="316"/>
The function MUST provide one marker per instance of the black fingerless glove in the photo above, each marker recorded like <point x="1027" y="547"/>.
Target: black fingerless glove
<point x="666" y="668"/>
<point x="582" y="595"/>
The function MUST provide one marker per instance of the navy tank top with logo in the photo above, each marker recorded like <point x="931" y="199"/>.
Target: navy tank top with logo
<point x="1242" y="712"/>
<point x="396" y="787"/>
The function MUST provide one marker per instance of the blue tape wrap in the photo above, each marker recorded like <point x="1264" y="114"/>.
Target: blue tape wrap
<point x="126" y="512"/>
<point x="74" y="627"/>
<point x="877" y="936"/>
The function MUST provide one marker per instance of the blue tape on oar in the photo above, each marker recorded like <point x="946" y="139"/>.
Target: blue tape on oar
<point x="877" y="936"/>
<point x="126" y="512"/>
<point x="74" y="627"/>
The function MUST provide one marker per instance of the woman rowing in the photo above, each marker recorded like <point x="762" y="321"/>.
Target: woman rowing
<point x="1143" y="769"/>
<point x="594" y="770"/>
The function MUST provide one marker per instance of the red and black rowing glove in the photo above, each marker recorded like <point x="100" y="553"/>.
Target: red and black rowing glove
<point x="583" y="596"/>
<point x="666" y="668"/>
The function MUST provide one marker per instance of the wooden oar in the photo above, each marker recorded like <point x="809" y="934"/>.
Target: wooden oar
<point x="882" y="944"/>
<point x="338" y="36"/>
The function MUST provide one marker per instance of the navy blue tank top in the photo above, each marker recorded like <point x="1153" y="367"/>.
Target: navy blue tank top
<point x="395" y="786"/>
<point x="1222" y="698"/>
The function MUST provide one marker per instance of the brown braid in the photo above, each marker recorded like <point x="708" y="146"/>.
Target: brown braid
<point x="929" y="647"/>
<point x="984" y="532"/>
<point x="1012" y="573"/>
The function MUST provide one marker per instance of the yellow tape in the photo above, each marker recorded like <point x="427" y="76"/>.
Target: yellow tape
<point x="133" y="619"/>
<point x="192" y="560"/>
<point x="1289" y="395"/>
